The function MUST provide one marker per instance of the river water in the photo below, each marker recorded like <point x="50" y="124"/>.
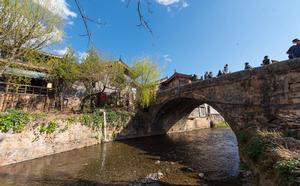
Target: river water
<point x="179" y="157"/>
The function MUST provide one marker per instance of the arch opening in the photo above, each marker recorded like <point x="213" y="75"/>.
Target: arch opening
<point x="184" y="114"/>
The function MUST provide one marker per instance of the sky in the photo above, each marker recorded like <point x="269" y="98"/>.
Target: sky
<point x="189" y="36"/>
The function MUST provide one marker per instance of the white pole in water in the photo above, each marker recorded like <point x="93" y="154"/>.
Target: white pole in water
<point x="104" y="126"/>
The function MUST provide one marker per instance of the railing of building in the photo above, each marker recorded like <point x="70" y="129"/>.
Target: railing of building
<point x="25" y="89"/>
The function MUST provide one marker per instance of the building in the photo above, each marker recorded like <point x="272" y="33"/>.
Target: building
<point x="176" y="80"/>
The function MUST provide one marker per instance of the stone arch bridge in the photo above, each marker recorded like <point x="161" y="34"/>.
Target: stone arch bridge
<point x="263" y="97"/>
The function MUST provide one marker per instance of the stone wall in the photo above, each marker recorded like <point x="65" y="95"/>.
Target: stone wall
<point x="31" y="144"/>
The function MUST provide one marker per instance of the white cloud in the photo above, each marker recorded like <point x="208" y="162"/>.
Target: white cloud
<point x="167" y="58"/>
<point x="82" y="56"/>
<point x="58" y="7"/>
<point x="167" y="2"/>
<point x="60" y="52"/>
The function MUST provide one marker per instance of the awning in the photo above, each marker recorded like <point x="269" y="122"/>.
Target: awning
<point x="26" y="73"/>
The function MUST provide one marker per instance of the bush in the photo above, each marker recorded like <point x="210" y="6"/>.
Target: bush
<point x="13" y="120"/>
<point x="50" y="128"/>
<point x="255" y="147"/>
<point x="285" y="168"/>
<point x="94" y="120"/>
<point x="242" y="137"/>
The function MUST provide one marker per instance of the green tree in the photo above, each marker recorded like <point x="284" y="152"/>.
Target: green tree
<point x="63" y="72"/>
<point x="146" y="74"/>
<point x="97" y="74"/>
<point x="26" y="24"/>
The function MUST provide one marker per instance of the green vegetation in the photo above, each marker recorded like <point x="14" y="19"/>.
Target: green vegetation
<point x="285" y="169"/>
<point x="95" y="120"/>
<point x="13" y="120"/>
<point x="146" y="74"/>
<point x="255" y="147"/>
<point x="222" y="124"/>
<point x="242" y="137"/>
<point x="49" y="128"/>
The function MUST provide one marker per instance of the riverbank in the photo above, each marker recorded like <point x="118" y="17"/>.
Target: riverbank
<point x="25" y="136"/>
<point x="274" y="157"/>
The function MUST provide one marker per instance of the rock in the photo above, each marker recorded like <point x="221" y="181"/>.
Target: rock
<point x="201" y="175"/>
<point x="157" y="162"/>
<point x="153" y="177"/>
<point x="190" y="169"/>
<point x="247" y="173"/>
<point x="172" y="163"/>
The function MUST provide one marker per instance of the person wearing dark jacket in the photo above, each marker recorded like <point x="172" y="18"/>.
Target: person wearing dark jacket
<point x="294" y="51"/>
<point x="247" y="66"/>
<point x="266" y="61"/>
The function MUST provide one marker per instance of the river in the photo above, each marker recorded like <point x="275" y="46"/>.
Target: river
<point x="180" y="157"/>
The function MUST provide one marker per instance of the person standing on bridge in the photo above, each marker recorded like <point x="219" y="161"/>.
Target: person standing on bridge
<point x="266" y="61"/>
<point x="206" y="75"/>
<point x="226" y="70"/>
<point x="219" y="73"/>
<point x="247" y="66"/>
<point x="294" y="51"/>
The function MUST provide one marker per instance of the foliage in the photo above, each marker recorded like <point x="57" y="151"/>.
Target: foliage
<point x="285" y="168"/>
<point x="242" y="137"/>
<point x="255" y="147"/>
<point x="222" y="124"/>
<point x="146" y="74"/>
<point x="13" y="120"/>
<point x="97" y="74"/>
<point x="49" y="128"/>
<point x="91" y="70"/>
<point x="26" y="24"/>
<point x="65" y="69"/>
<point x="93" y="120"/>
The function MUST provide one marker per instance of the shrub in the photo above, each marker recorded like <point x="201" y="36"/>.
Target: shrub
<point x="50" y="128"/>
<point x="285" y="168"/>
<point x="13" y="120"/>
<point x="94" y="120"/>
<point x="242" y="137"/>
<point x="255" y="147"/>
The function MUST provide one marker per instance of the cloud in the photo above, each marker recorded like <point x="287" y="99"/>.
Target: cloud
<point x="184" y="4"/>
<point x="58" y="7"/>
<point x="167" y="2"/>
<point x="60" y="52"/>
<point x="167" y="58"/>
<point x="82" y="56"/>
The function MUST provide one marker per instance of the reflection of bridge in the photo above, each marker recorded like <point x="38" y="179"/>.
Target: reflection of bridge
<point x="266" y="97"/>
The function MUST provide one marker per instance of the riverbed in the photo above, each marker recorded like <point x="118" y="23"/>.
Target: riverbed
<point x="179" y="159"/>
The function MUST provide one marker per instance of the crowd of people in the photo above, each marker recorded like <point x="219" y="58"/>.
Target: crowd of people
<point x="293" y="52"/>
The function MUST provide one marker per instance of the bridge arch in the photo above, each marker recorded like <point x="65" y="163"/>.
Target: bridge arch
<point x="175" y="111"/>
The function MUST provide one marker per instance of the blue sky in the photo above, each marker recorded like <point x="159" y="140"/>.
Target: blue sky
<point x="191" y="36"/>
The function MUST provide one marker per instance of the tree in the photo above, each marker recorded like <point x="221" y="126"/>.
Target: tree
<point x="146" y="74"/>
<point x="63" y="72"/>
<point x="26" y="24"/>
<point x="98" y="74"/>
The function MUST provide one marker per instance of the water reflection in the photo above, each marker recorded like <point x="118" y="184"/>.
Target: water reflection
<point x="180" y="157"/>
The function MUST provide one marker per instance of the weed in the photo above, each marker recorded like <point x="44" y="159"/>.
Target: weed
<point x="14" y="120"/>
<point x="285" y="169"/>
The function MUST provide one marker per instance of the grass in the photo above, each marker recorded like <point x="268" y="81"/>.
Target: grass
<point x="221" y="125"/>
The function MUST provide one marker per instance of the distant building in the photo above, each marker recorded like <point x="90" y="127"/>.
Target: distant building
<point x="176" y="80"/>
